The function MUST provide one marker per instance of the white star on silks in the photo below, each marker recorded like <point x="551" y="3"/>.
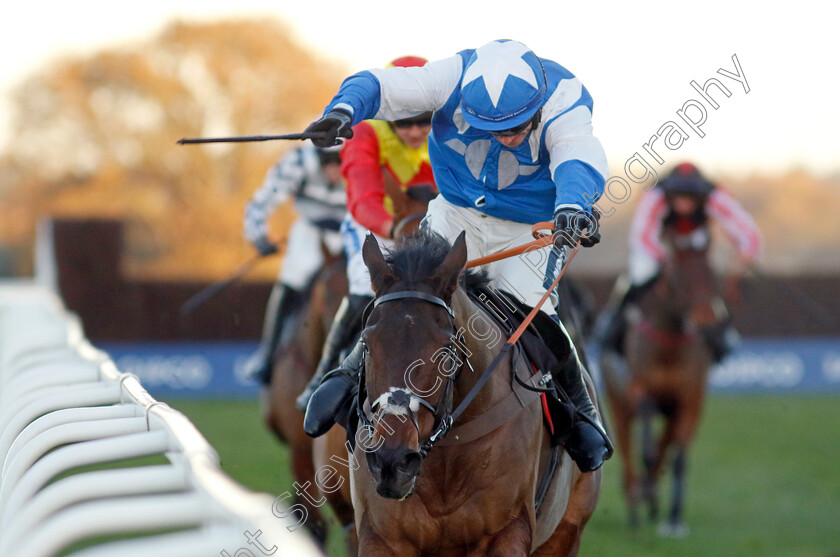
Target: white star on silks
<point x="494" y="62"/>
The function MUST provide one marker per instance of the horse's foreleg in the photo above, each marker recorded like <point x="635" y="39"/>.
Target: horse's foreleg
<point x="684" y="429"/>
<point x="304" y="472"/>
<point x="565" y="541"/>
<point x="514" y="540"/>
<point x="675" y="515"/>
<point x="371" y="544"/>
<point x="650" y="457"/>
<point x="624" y="440"/>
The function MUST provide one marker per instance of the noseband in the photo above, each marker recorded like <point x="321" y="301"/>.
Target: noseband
<point x="443" y="412"/>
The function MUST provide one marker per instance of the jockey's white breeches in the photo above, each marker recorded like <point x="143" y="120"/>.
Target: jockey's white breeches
<point x="526" y="276"/>
<point x="304" y="255"/>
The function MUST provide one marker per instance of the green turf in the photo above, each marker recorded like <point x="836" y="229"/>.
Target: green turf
<point x="763" y="478"/>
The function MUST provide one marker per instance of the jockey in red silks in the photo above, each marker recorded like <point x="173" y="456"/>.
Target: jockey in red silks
<point x="684" y="202"/>
<point x="384" y="163"/>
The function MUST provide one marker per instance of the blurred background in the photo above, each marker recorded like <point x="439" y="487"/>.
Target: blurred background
<point x="93" y="96"/>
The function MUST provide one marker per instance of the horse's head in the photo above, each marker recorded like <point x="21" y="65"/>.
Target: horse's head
<point x="410" y="208"/>
<point x="687" y="283"/>
<point x="410" y="356"/>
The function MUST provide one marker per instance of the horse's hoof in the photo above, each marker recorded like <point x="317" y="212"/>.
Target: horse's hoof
<point x="673" y="530"/>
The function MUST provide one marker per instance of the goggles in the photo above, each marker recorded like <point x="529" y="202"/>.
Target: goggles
<point x="523" y="127"/>
<point x="406" y="123"/>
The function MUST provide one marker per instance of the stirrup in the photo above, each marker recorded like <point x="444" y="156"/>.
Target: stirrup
<point x="588" y="443"/>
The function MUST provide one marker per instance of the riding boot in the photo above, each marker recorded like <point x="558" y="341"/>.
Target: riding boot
<point x="333" y="393"/>
<point x="721" y="338"/>
<point x="588" y="443"/>
<point x="611" y="336"/>
<point x="281" y="303"/>
<point x="344" y="327"/>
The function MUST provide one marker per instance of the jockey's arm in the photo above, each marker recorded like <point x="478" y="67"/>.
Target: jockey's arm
<point x="646" y="227"/>
<point x="578" y="163"/>
<point x="738" y="225"/>
<point x="365" y="185"/>
<point x="396" y="93"/>
<point x="280" y="180"/>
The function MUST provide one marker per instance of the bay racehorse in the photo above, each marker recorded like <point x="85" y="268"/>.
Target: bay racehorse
<point x="667" y="364"/>
<point x="294" y="364"/>
<point x="423" y="485"/>
<point x="296" y="361"/>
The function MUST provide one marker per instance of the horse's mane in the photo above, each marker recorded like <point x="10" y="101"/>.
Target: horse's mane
<point x="417" y="257"/>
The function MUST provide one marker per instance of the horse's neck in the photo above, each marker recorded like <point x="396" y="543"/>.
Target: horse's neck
<point x="686" y="283"/>
<point x="483" y="340"/>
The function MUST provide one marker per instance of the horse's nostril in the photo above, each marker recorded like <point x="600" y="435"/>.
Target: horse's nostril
<point x="410" y="463"/>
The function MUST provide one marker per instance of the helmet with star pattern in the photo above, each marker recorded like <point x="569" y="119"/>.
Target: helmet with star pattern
<point x="503" y="86"/>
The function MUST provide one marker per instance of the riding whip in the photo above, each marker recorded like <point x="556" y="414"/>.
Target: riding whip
<point x="247" y="138"/>
<point x="209" y="291"/>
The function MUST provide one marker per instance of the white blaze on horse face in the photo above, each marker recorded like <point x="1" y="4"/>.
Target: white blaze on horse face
<point x="384" y="404"/>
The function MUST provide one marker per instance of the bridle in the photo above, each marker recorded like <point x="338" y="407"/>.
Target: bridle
<point x="442" y="412"/>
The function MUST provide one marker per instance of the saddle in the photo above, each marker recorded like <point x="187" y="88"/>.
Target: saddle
<point x="544" y="348"/>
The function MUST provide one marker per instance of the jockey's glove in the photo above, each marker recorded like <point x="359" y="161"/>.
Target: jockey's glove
<point x="573" y="224"/>
<point x="334" y="124"/>
<point x="265" y="246"/>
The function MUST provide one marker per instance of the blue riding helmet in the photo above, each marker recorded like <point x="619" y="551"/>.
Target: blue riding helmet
<point x="503" y="86"/>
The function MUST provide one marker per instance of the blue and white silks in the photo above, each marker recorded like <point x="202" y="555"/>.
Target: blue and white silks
<point x="561" y="164"/>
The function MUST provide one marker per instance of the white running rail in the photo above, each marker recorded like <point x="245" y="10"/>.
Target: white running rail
<point x="65" y="405"/>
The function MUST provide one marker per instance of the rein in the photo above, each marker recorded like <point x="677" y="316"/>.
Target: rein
<point x="665" y="338"/>
<point x="541" y="240"/>
<point x="445" y="417"/>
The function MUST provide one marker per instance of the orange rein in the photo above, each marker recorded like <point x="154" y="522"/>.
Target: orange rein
<point x="542" y="239"/>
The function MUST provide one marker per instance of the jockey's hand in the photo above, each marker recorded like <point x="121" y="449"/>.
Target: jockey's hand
<point x="265" y="246"/>
<point x="571" y="225"/>
<point x="733" y="286"/>
<point x="334" y="124"/>
<point x="733" y="290"/>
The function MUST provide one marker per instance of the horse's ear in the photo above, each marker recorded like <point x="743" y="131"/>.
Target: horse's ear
<point x="447" y="274"/>
<point x="381" y="274"/>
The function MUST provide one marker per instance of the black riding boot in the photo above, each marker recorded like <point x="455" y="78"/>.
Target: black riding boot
<point x="344" y="327"/>
<point x="281" y="303"/>
<point x="721" y="338"/>
<point x="588" y="443"/>
<point x="611" y="338"/>
<point x="333" y="393"/>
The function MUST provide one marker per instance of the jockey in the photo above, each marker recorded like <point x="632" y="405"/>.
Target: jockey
<point x="511" y="145"/>
<point x="384" y="164"/>
<point x="312" y="176"/>
<point x="684" y="201"/>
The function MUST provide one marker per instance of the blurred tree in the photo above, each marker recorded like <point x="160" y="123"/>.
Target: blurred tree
<point x="95" y="137"/>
